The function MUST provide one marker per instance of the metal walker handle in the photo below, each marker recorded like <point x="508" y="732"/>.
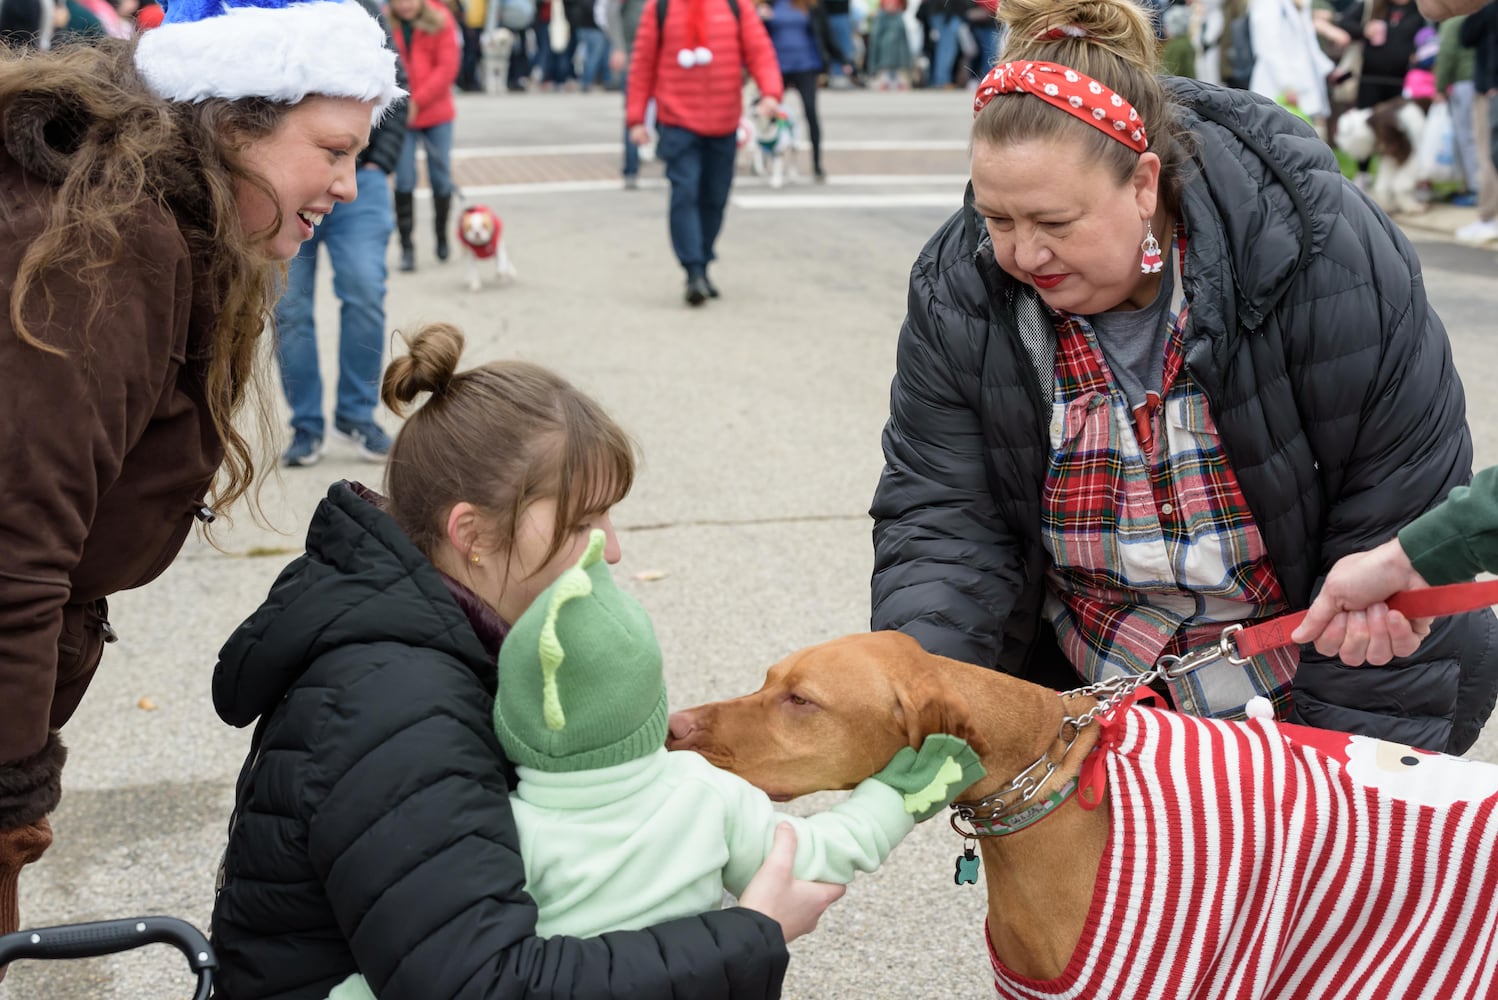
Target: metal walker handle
<point x="107" y="937"/>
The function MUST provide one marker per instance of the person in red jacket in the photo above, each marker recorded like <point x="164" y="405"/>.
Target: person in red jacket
<point x="426" y="36"/>
<point x="691" y="62"/>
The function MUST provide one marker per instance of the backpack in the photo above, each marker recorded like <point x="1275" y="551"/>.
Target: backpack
<point x="660" y="13"/>
<point x="1237" y="50"/>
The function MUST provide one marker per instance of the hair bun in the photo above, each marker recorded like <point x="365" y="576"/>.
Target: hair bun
<point x="429" y="365"/>
<point x="1121" y="26"/>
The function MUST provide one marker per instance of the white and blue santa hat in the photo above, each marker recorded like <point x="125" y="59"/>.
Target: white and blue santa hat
<point x="281" y="50"/>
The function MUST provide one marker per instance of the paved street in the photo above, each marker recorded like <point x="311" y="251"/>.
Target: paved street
<point x="759" y="418"/>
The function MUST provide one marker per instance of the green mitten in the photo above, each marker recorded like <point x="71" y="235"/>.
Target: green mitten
<point x="930" y="779"/>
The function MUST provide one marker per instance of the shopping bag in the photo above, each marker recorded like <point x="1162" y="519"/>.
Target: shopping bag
<point x="1436" y="154"/>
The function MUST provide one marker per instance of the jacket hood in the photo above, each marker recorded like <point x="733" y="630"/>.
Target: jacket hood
<point x="1259" y="202"/>
<point x="361" y="581"/>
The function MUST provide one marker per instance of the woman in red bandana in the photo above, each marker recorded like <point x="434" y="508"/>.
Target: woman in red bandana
<point x="1163" y="368"/>
<point x="690" y="55"/>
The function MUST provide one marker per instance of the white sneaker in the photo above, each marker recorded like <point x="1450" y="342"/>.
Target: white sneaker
<point x="1478" y="232"/>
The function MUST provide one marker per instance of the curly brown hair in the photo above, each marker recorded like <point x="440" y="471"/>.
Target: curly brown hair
<point x="115" y="148"/>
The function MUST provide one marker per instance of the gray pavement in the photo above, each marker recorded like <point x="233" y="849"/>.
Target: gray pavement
<point x="759" y="418"/>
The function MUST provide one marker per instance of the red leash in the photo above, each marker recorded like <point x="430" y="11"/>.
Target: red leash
<point x="1432" y="602"/>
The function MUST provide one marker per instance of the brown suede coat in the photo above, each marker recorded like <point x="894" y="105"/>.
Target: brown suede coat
<point x="105" y="455"/>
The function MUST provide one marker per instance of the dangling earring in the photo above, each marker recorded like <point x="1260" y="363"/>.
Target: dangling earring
<point x="1150" y="262"/>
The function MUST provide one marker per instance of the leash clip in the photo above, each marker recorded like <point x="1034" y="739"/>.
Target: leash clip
<point x="1170" y="667"/>
<point x="1227" y="645"/>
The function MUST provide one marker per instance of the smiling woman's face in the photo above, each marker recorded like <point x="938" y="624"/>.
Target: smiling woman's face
<point x="308" y="161"/>
<point x="1063" y="223"/>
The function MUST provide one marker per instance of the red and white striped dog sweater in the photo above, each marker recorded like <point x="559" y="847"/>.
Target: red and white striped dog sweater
<point x="1258" y="860"/>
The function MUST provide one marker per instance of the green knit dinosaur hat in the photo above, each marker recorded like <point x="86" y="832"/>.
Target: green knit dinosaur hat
<point x="580" y="681"/>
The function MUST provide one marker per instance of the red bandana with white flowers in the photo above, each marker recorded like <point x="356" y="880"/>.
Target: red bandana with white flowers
<point x="1073" y="92"/>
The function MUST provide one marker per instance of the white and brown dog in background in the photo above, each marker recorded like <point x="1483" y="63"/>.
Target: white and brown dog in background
<point x="1390" y="130"/>
<point x="482" y="235"/>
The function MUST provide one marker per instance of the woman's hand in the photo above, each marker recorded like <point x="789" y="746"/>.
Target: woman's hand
<point x="639" y="135"/>
<point x="1376" y="32"/>
<point x="1349" y="620"/>
<point x="794" y="904"/>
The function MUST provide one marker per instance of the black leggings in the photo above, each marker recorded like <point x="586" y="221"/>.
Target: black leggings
<point x="806" y="85"/>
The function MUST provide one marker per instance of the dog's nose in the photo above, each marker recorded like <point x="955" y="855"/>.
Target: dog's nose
<point x="680" y="726"/>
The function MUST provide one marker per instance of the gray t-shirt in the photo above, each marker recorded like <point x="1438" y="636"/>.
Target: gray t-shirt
<point x="1134" y="340"/>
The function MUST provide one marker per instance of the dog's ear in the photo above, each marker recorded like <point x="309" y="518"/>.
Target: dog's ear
<point x="927" y="704"/>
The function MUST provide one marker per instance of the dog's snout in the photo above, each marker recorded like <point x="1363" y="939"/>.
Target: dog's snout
<point x="680" y="728"/>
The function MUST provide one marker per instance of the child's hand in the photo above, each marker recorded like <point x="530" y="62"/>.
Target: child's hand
<point x="794" y="904"/>
<point x="930" y="779"/>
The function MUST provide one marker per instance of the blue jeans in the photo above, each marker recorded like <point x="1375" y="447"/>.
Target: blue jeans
<point x="987" y="37"/>
<point x="841" y="26"/>
<point x="944" y="59"/>
<point x="700" y="169"/>
<point x="438" y="142"/>
<point x="631" y="151"/>
<point x="355" y="233"/>
<point x="593" y="45"/>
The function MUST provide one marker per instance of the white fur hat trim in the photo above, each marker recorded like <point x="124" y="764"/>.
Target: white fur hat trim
<point x="334" y="48"/>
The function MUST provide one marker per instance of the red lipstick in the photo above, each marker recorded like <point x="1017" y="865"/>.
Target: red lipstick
<point x="1048" y="280"/>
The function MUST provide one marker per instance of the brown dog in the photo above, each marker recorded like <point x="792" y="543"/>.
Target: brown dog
<point x="1249" y="859"/>
<point x="831" y="715"/>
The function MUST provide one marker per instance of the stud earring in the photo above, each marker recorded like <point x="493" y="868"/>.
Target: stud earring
<point x="1150" y="261"/>
<point x="474" y="559"/>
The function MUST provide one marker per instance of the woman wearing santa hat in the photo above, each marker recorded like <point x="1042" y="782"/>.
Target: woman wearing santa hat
<point x="152" y="192"/>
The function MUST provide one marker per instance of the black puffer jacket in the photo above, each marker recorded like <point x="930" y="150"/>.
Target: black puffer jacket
<point x="1329" y="376"/>
<point x="374" y="829"/>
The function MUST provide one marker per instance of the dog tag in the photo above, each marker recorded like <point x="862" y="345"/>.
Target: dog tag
<point x="967" y="868"/>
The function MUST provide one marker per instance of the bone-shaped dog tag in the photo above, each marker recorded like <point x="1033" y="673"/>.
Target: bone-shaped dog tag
<point x="967" y="868"/>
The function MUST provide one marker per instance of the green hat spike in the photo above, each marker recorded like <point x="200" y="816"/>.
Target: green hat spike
<point x="574" y="582"/>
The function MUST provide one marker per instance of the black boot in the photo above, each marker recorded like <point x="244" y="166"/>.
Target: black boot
<point x="440" y="205"/>
<point x="405" y="222"/>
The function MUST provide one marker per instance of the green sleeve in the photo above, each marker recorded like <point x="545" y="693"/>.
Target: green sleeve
<point x="1459" y="538"/>
<point x="1449" y="55"/>
<point x="856" y="835"/>
<point x="353" y="988"/>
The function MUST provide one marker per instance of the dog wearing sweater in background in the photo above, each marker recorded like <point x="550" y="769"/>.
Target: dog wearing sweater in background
<point x="481" y="233"/>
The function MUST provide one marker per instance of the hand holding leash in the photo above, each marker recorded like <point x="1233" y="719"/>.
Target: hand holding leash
<point x="929" y="779"/>
<point x="1349" y="618"/>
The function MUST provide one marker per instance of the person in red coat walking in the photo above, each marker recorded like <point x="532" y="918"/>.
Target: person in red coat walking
<point x="691" y="61"/>
<point x="426" y="37"/>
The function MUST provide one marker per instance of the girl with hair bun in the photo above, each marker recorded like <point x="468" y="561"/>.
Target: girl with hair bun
<point x="1158" y="374"/>
<point x="373" y="831"/>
